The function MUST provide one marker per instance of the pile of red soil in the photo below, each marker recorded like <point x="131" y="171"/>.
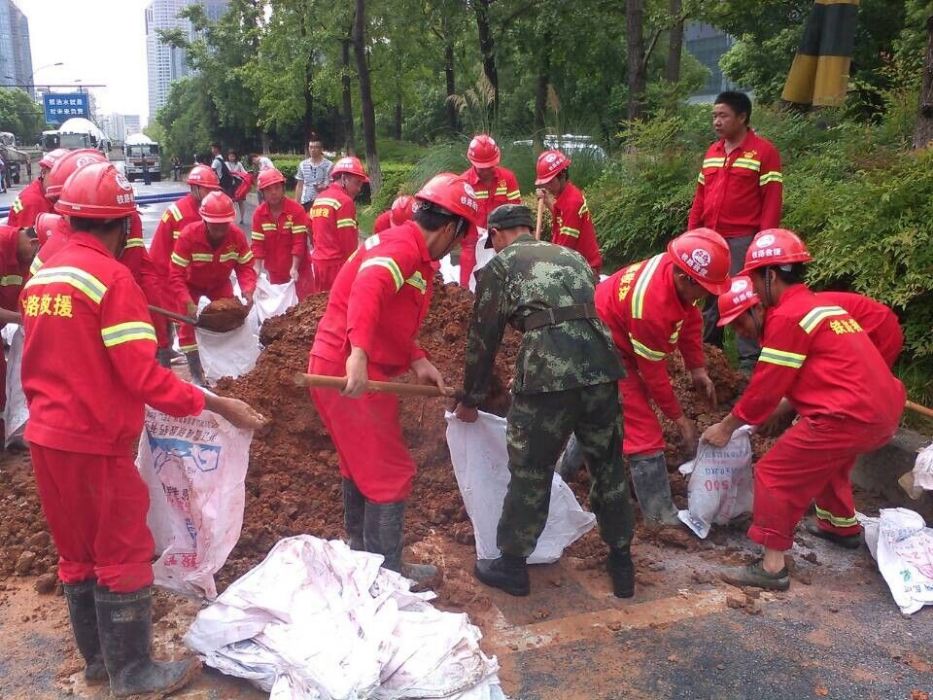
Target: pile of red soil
<point x="25" y="545"/>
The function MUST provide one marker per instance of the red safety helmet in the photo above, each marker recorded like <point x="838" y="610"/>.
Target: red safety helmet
<point x="773" y="247"/>
<point x="453" y="194"/>
<point x="204" y="176"/>
<point x="50" y="158"/>
<point x="217" y="208"/>
<point x="483" y="152"/>
<point x="350" y="165"/>
<point x="65" y="166"/>
<point x="703" y="255"/>
<point x="550" y="165"/>
<point x="97" y="191"/>
<point x="269" y="177"/>
<point x="739" y="299"/>
<point x="401" y="209"/>
<point x="47" y="225"/>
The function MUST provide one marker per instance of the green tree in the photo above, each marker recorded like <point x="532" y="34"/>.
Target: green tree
<point x="20" y="115"/>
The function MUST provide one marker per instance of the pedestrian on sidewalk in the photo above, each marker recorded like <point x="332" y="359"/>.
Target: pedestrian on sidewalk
<point x="313" y="175"/>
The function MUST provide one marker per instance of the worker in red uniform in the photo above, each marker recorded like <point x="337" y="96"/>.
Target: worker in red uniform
<point x="18" y="247"/>
<point x="739" y="193"/>
<point x="650" y="307"/>
<point x="571" y="222"/>
<point x="396" y="215"/>
<point x="817" y="356"/>
<point x="32" y="200"/>
<point x="493" y="185"/>
<point x="205" y="255"/>
<point x="280" y="235"/>
<point x="376" y="306"/>
<point x="86" y="405"/>
<point x="335" y="233"/>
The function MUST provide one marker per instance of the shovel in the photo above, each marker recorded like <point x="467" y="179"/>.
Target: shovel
<point x="320" y="381"/>
<point x="218" y="322"/>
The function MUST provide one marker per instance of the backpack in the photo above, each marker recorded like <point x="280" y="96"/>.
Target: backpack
<point x="227" y="182"/>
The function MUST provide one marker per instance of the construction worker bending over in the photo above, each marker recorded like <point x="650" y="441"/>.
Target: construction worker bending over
<point x="819" y="357"/>
<point x="566" y="379"/>
<point x="334" y="231"/>
<point x="494" y="185"/>
<point x="396" y="215"/>
<point x="377" y="304"/>
<point x="280" y="235"/>
<point x="32" y="200"/>
<point x="86" y="410"/>
<point x="205" y="255"/>
<point x="650" y="307"/>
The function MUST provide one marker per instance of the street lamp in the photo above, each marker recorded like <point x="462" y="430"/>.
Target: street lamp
<point x="33" y="75"/>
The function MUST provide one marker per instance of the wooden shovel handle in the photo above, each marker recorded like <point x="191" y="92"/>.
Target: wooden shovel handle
<point x="922" y="410"/>
<point x="181" y="318"/>
<point x="324" y="382"/>
<point x="540" y="218"/>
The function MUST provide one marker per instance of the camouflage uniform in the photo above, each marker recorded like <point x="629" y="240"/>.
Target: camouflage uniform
<point x="565" y="382"/>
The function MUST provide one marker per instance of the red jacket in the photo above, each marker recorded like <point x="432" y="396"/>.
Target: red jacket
<point x="334" y="231"/>
<point x="89" y="357"/>
<point x="12" y="273"/>
<point x="198" y="267"/>
<point x="378" y="301"/>
<point x="28" y="205"/>
<point x="819" y="357"/>
<point x="277" y="241"/>
<point x="383" y="222"/>
<point x="572" y="226"/>
<point x="648" y="321"/>
<point x="503" y="189"/>
<point x="174" y="219"/>
<point x="876" y="319"/>
<point x="739" y="194"/>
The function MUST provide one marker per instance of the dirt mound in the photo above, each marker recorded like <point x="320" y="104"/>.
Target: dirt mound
<point x="25" y="545"/>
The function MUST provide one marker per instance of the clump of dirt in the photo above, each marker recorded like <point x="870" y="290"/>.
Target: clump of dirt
<point x="223" y="315"/>
<point x="25" y="546"/>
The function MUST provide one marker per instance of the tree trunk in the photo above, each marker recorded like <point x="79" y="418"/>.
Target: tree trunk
<point x="452" y="122"/>
<point x="542" y="82"/>
<point x="307" y="120"/>
<point x="366" y="97"/>
<point x="397" y="131"/>
<point x="635" y="38"/>
<point x="923" y="132"/>
<point x="346" y="116"/>
<point x="676" y="45"/>
<point x="487" y="48"/>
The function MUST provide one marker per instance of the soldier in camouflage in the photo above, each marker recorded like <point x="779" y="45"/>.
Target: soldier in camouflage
<point x="565" y="382"/>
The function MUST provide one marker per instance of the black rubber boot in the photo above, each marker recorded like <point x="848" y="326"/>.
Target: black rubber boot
<point x="383" y="525"/>
<point x="164" y="357"/>
<point x="354" y="507"/>
<point x="508" y="573"/>
<point x="194" y="367"/>
<point x="846" y="541"/>
<point x="622" y="572"/>
<point x="125" y="623"/>
<point x="652" y="489"/>
<point x="83" y="614"/>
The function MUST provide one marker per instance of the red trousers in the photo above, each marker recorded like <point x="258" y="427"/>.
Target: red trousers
<point x="161" y="325"/>
<point x="368" y="436"/>
<point x="642" y="431"/>
<point x="811" y="462"/>
<point x="467" y="262"/>
<point x="96" y="507"/>
<point x="325" y="272"/>
<point x="187" y="341"/>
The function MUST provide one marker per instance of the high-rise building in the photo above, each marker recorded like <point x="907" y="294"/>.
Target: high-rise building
<point x="15" y="52"/>
<point x="708" y="44"/>
<point x="132" y="124"/>
<point x="166" y="63"/>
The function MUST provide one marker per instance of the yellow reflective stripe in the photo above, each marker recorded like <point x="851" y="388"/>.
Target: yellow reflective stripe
<point x="514" y="194"/>
<point x="134" y="243"/>
<point x="127" y="332"/>
<point x="584" y="208"/>
<point x="782" y="358"/>
<point x="188" y="348"/>
<point x="714" y="162"/>
<point x="17" y="205"/>
<point x="501" y="191"/>
<point x="418" y="282"/>
<point x="390" y="265"/>
<point x="701" y="179"/>
<point x="268" y="227"/>
<point x="175" y="212"/>
<point x="11" y="280"/>
<point x="327" y="201"/>
<point x="245" y="258"/>
<point x="75" y="277"/>
<point x="570" y="231"/>
<point x="203" y="257"/>
<point x="346" y="223"/>
<point x="299" y="230"/>
<point x="835" y="519"/>
<point x="643" y="350"/>
<point x="36" y="266"/>
<point x="641" y="286"/>
<point x="178" y="260"/>
<point x="818" y="314"/>
<point x="747" y="163"/>
<point x="229" y="255"/>
<point x="482" y="194"/>
<point x="770" y="176"/>
<point x="256" y="236"/>
<point x="176" y="234"/>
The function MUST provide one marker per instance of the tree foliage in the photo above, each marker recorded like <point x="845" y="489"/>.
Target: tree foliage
<point x="20" y="115"/>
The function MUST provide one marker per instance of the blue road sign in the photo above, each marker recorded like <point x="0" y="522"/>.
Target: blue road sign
<point x="61" y="106"/>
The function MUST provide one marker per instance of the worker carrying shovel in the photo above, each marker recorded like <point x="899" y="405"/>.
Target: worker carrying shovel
<point x="818" y="356"/>
<point x="566" y="381"/>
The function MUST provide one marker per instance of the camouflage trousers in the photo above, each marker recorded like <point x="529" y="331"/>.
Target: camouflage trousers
<point x="539" y="426"/>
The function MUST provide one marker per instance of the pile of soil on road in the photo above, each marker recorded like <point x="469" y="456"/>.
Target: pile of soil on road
<point x="25" y="545"/>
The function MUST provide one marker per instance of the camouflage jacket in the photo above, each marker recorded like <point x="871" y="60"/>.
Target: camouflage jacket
<point x="526" y="277"/>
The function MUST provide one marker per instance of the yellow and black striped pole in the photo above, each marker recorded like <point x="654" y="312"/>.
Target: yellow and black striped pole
<point x="819" y="75"/>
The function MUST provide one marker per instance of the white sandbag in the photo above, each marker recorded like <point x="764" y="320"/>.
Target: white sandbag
<point x="195" y="468"/>
<point x="232" y="353"/>
<point x="16" y="413"/>
<point x="449" y="271"/>
<point x="721" y="483"/>
<point x="483" y="255"/>
<point x="481" y="466"/>
<point x="273" y="299"/>
<point x="920" y="479"/>
<point x="902" y="544"/>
